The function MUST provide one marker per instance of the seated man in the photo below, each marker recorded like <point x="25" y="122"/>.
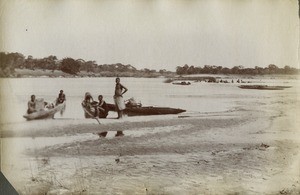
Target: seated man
<point x="31" y="105"/>
<point x="61" y="97"/>
<point x="90" y="106"/>
<point x="88" y="100"/>
<point x="102" y="109"/>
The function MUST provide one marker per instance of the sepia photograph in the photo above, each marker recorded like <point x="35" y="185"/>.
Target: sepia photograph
<point x="146" y="97"/>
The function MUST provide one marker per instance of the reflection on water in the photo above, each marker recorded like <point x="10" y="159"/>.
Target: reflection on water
<point x="119" y="134"/>
<point x="142" y="131"/>
<point x="102" y="134"/>
<point x="20" y="144"/>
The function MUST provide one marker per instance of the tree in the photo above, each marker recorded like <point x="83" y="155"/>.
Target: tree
<point x="226" y="70"/>
<point x="146" y="70"/>
<point x="29" y="62"/>
<point x="179" y="70"/>
<point x="288" y="70"/>
<point x="162" y="71"/>
<point x="191" y="70"/>
<point x="69" y="65"/>
<point x="89" y="66"/>
<point x="51" y="62"/>
<point x="273" y="69"/>
<point x="10" y="61"/>
<point x="258" y="70"/>
<point x="207" y="69"/>
<point x="235" y="70"/>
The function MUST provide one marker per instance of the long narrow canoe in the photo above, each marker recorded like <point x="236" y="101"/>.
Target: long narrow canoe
<point x="46" y="113"/>
<point x="147" y="110"/>
<point x="181" y="83"/>
<point x="263" y="87"/>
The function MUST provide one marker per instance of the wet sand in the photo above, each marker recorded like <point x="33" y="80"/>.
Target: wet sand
<point x="253" y="149"/>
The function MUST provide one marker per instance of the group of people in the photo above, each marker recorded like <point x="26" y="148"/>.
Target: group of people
<point x="100" y="108"/>
<point x="32" y="103"/>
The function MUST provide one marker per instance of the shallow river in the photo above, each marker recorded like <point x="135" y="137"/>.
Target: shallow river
<point x="199" y="97"/>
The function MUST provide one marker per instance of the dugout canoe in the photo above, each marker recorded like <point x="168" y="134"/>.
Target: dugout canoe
<point x="181" y="83"/>
<point x="46" y="113"/>
<point x="147" y="110"/>
<point x="263" y="87"/>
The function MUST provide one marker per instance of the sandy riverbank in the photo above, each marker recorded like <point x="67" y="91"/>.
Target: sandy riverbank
<point x="245" y="152"/>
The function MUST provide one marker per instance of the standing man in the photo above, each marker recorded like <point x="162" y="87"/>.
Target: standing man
<point x="119" y="91"/>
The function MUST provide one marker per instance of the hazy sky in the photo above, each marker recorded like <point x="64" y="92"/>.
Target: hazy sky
<point x="155" y="34"/>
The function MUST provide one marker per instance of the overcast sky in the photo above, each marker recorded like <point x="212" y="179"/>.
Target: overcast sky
<point x="158" y="34"/>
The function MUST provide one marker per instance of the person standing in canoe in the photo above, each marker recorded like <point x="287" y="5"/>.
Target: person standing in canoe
<point x="119" y="91"/>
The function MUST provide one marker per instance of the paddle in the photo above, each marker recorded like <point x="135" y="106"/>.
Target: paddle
<point x="92" y="116"/>
<point x="97" y="120"/>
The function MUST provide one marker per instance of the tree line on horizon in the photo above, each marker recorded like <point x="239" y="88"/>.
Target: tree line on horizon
<point x="11" y="61"/>
<point x="212" y="69"/>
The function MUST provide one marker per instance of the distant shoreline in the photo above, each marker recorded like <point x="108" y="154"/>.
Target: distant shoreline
<point x="170" y="76"/>
<point x="40" y="73"/>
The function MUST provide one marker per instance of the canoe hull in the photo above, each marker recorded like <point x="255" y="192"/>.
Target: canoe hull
<point x="263" y="87"/>
<point x="149" y="110"/>
<point x="43" y="114"/>
<point x="181" y="83"/>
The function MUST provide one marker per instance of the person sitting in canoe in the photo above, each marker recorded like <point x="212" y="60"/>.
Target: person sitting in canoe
<point x="90" y="105"/>
<point x="119" y="91"/>
<point x="31" y="105"/>
<point x="88" y="100"/>
<point x="102" y="108"/>
<point x="61" y="97"/>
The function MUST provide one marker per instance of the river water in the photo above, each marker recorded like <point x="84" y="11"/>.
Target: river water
<point x="199" y="97"/>
<point x="209" y="100"/>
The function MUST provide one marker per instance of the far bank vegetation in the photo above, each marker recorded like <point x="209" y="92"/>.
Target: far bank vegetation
<point x="17" y="65"/>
